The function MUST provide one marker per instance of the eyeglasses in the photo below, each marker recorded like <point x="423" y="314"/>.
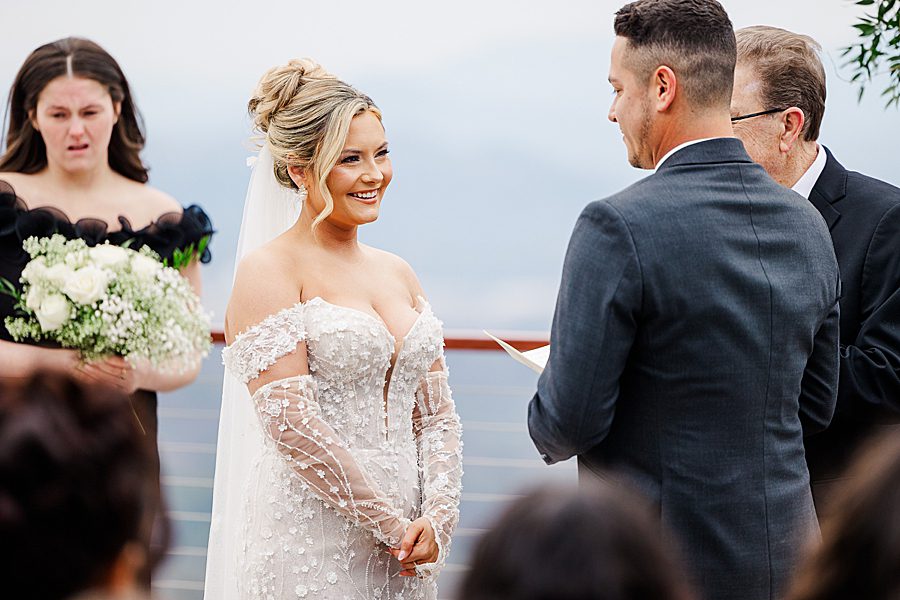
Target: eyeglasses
<point x="757" y="114"/>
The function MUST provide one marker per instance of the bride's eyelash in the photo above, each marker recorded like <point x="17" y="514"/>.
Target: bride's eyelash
<point x="355" y="158"/>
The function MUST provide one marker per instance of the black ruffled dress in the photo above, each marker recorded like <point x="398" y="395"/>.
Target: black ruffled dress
<point x="170" y="232"/>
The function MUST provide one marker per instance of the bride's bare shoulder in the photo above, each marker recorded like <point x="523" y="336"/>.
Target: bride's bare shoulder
<point x="273" y="265"/>
<point x="266" y="281"/>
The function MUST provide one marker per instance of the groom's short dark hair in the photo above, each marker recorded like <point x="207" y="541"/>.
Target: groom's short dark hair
<point x="694" y="38"/>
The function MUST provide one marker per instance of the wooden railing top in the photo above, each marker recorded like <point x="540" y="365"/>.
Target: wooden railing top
<point x="469" y="339"/>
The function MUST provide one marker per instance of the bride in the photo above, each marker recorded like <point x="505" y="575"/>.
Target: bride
<point x="339" y="464"/>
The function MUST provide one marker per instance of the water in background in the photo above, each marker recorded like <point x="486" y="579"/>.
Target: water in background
<point x="491" y="393"/>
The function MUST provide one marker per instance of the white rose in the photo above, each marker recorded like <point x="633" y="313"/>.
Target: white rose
<point x="58" y="274"/>
<point x="35" y="269"/>
<point x="53" y="312"/>
<point x="86" y="285"/>
<point x="34" y="297"/>
<point x="144" y="266"/>
<point x="108" y="256"/>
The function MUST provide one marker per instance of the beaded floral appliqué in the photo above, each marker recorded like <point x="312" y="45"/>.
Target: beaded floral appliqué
<point x="346" y="467"/>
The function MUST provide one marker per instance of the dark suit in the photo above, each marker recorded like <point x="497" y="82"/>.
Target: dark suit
<point x="863" y="215"/>
<point x="694" y="343"/>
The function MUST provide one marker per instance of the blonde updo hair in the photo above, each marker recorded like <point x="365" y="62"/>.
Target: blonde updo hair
<point x="305" y="113"/>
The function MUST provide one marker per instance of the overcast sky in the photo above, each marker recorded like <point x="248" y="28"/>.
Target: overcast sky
<point x="496" y="113"/>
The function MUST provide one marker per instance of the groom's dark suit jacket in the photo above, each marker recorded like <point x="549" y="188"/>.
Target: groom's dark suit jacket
<point x="695" y="341"/>
<point x="863" y="215"/>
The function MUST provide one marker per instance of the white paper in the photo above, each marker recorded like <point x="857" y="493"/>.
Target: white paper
<point x="535" y="359"/>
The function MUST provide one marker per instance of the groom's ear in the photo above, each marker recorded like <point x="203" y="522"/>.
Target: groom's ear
<point x="297" y="175"/>
<point x="665" y="86"/>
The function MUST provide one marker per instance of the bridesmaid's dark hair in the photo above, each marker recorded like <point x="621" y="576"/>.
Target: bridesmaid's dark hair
<point x="25" y="149"/>
<point x="76" y="473"/>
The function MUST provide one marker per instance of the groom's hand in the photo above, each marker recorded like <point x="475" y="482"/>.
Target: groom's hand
<point x="418" y="546"/>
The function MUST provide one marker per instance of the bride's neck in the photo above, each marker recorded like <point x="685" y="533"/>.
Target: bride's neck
<point x="327" y="235"/>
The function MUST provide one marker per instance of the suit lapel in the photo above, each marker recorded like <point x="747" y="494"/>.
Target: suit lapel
<point x="829" y="188"/>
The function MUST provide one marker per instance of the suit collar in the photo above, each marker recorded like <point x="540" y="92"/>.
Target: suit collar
<point x="715" y="150"/>
<point x="829" y="188"/>
<point x="676" y="149"/>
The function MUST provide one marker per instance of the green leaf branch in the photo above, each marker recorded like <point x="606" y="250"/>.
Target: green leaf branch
<point x="8" y="288"/>
<point x="878" y="46"/>
<point x="182" y="258"/>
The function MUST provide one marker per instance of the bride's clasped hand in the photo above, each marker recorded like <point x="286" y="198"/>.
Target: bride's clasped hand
<point x="418" y="546"/>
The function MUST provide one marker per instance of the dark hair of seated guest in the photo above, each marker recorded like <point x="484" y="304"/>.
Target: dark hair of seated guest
<point x="596" y="542"/>
<point x="75" y="473"/>
<point x="859" y="556"/>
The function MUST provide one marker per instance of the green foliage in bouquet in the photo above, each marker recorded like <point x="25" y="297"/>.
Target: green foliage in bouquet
<point x="109" y="300"/>
<point x="182" y="258"/>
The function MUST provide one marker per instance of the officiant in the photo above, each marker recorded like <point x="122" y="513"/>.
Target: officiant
<point x="780" y="77"/>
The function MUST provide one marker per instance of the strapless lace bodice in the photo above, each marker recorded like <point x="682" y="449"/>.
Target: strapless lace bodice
<point x="344" y="467"/>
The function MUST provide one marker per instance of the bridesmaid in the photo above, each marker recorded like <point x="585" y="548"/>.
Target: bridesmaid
<point x="72" y="166"/>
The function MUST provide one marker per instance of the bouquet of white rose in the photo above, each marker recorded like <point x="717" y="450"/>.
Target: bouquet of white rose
<point x="108" y="300"/>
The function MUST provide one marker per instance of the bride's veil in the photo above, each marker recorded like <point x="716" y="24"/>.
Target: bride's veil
<point x="269" y="210"/>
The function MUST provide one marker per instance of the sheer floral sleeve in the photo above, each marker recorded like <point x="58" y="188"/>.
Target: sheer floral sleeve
<point x="439" y="435"/>
<point x="290" y="416"/>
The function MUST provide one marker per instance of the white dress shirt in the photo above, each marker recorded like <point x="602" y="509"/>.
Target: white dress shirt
<point x="806" y="182"/>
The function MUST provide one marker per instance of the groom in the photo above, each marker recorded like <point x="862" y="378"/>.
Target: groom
<point x="695" y="335"/>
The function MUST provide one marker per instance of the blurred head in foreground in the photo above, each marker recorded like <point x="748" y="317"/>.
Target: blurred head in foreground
<point x="75" y="474"/>
<point x="596" y="542"/>
<point x="859" y="556"/>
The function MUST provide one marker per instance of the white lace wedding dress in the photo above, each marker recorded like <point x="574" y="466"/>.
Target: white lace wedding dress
<point x="341" y="470"/>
